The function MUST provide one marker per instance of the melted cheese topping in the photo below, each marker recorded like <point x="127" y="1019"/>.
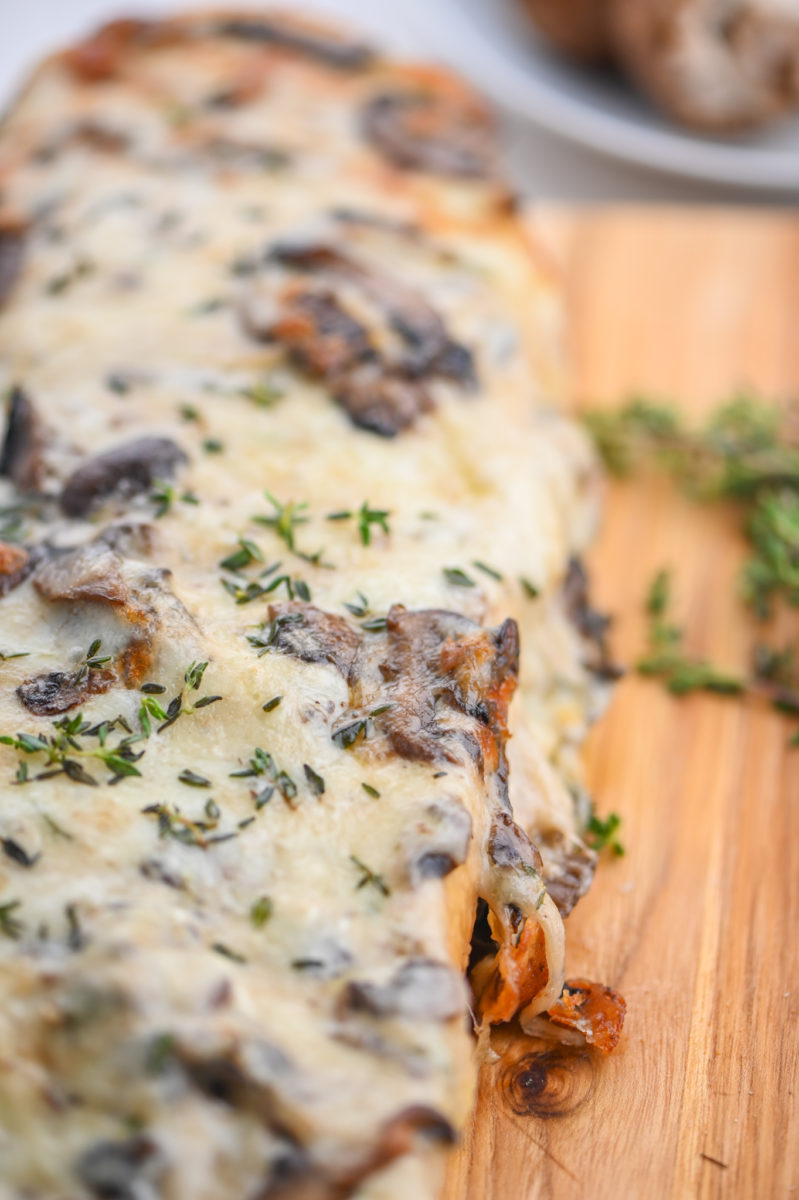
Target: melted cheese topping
<point x="199" y="979"/>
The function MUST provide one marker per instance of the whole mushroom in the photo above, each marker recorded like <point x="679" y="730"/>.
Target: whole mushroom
<point x="714" y="65"/>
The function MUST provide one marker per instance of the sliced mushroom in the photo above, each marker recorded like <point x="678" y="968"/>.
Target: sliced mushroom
<point x="380" y="390"/>
<point x="59" y="691"/>
<point x="591" y="624"/>
<point x="429" y="348"/>
<point x="319" y="334"/>
<point x="594" y="1010"/>
<point x="21" y="457"/>
<point x="381" y="401"/>
<point x="509" y="846"/>
<point x="139" y="615"/>
<point x="439" y="842"/>
<point x="16" y="564"/>
<point x="319" y="44"/>
<point x="12" y="253"/>
<point x="420" y="990"/>
<point x="568" y="869"/>
<point x="124" y="1170"/>
<point x="91" y="573"/>
<point x="449" y="133"/>
<point x="126" y="469"/>
<point x="314" y="636"/>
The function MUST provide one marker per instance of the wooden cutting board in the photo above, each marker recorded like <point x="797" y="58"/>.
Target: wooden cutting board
<point x="698" y="925"/>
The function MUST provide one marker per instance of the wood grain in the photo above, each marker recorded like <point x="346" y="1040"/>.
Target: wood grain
<point x="698" y="925"/>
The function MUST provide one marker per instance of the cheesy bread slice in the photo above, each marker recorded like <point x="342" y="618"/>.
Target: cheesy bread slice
<point x="288" y="539"/>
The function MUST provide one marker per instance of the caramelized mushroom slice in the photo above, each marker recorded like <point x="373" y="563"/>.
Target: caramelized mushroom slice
<point x="445" y="133"/>
<point x="21" y="457"/>
<point x="381" y="401"/>
<point x="123" y="1170"/>
<point x="16" y="564"/>
<point x="430" y="350"/>
<point x="126" y="469"/>
<point x="420" y="989"/>
<point x="594" y="1010"/>
<point x="568" y="869"/>
<point x="59" y="691"/>
<point x="315" y="42"/>
<point x="591" y="624"/>
<point x="314" y="636"/>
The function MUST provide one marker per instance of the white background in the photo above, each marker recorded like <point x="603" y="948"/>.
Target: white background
<point x="544" y="165"/>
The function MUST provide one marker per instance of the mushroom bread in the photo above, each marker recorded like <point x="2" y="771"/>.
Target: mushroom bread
<point x="289" y="547"/>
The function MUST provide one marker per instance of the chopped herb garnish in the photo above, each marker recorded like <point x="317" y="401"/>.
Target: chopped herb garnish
<point x="262" y="763"/>
<point x="601" y="834"/>
<point x="264" y="796"/>
<point x="745" y="453"/>
<point x="666" y="659"/>
<point x="205" y="307"/>
<point x="263" y="393"/>
<point x="261" y="911"/>
<point x="374" y="624"/>
<point x="213" y="446"/>
<point x="75" y="936"/>
<point x="316" y="781"/>
<point x="152" y="689"/>
<point x="350" y="734"/>
<point x="189" y="412"/>
<point x="91" y="661"/>
<point x="457" y="577"/>
<point x="302" y="590"/>
<point x="59" y="283"/>
<point x="160" y="1052"/>
<point x="56" y="829"/>
<point x="9" y="925"/>
<point x="226" y="952"/>
<point x="284" y="519"/>
<point x="164" y="495"/>
<point x="63" y="749"/>
<point x="271" y="704"/>
<point x="248" y="552"/>
<point x="370" y="791"/>
<point x="6" y="655"/>
<point x="529" y="589"/>
<point x="369" y="877"/>
<point x="367" y="517"/>
<point x="343" y="515"/>
<point x="358" y="608"/>
<point x="484" y="567"/>
<point x="192" y="779"/>
<point x="194" y="674"/>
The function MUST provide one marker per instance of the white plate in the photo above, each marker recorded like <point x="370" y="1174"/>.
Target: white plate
<point x="500" y="51"/>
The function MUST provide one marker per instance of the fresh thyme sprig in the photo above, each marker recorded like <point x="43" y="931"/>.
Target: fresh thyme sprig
<point x="91" y="661"/>
<point x="666" y="659"/>
<point x="747" y="452"/>
<point x="366" y="517"/>
<point x="772" y="678"/>
<point x="65" y="750"/>
<point x="284" y="519"/>
<point x="164" y="495"/>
